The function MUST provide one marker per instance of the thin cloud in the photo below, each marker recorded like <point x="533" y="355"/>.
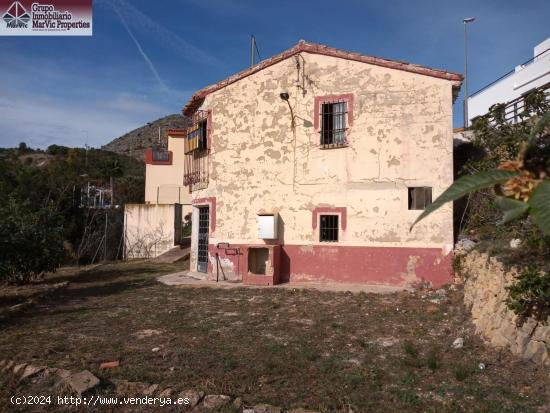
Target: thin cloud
<point x="141" y="51"/>
<point x="141" y="21"/>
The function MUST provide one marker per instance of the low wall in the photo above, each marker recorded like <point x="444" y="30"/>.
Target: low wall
<point x="148" y="230"/>
<point x="485" y="294"/>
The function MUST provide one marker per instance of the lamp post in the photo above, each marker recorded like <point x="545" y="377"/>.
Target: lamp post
<point x="466" y="21"/>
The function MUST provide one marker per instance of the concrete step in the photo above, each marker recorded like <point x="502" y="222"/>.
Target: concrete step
<point x="174" y="255"/>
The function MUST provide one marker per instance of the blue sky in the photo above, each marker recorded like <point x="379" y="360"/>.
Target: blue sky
<point x="146" y="58"/>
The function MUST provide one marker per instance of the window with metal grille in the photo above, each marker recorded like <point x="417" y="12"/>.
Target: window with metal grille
<point x="333" y="124"/>
<point x="328" y="228"/>
<point x="197" y="133"/>
<point x="420" y="197"/>
<point x="196" y="151"/>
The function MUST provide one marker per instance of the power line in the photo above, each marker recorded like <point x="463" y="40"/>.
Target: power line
<point x="257" y="51"/>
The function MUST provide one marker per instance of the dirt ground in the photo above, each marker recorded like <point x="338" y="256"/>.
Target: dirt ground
<point x="327" y="351"/>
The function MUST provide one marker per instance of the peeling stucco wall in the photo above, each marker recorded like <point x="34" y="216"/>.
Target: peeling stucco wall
<point x="401" y="136"/>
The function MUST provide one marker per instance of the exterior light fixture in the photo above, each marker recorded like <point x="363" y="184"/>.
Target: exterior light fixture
<point x="284" y="96"/>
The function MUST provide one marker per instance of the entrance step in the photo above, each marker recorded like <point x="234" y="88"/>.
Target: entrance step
<point x="176" y="254"/>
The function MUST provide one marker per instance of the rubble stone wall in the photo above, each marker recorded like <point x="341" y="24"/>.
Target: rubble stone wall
<point x="485" y="294"/>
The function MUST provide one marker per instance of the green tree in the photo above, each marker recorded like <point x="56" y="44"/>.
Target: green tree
<point x="31" y="242"/>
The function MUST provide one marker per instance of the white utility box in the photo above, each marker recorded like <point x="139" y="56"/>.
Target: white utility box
<point x="267" y="226"/>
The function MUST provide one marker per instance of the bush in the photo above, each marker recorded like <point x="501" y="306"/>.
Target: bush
<point x="31" y="242"/>
<point x="57" y="150"/>
<point x="529" y="297"/>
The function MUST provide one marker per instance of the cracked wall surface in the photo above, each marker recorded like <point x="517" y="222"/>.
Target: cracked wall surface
<point x="401" y="136"/>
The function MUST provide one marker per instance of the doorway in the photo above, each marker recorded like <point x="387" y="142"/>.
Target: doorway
<point x="202" y="245"/>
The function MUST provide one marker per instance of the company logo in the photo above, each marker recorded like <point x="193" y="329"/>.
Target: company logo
<point x="46" y="17"/>
<point x="16" y="16"/>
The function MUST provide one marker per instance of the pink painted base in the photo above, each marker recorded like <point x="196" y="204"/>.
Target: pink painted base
<point x="398" y="266"/>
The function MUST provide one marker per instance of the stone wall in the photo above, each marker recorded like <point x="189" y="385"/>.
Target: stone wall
<point x="485" y="294"/>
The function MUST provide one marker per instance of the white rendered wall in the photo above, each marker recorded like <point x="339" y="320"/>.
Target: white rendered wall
<point x="525" y="78"/>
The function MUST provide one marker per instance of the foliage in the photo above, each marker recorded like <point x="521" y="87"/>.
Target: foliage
<point x="42" y="189"/>
<point x="57" y="150"/>
<point x="23" y="148"/>
<point x="511" y="185"/>
<point x="530" y="295"/>
<point x="522" y="185"/>
<point x="186" y="226"/>
<point x="31" y="241"/>
<point x="464" y="186"/>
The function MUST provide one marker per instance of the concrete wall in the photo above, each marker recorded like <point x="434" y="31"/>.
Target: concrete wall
<point x="401" y="136"/>
<point x="148" y="229"/>
<point x="164" y="183"/>
<point x="525" y="78"/>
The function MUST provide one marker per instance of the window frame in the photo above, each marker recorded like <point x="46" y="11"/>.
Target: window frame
<point x="333" y="229"/>
<point x="413" y="197"/>
<point x="318" y="120"/>
<point x="201" y="130"/>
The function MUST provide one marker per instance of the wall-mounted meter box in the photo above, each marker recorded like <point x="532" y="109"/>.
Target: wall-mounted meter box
<point x="267" y="226"/>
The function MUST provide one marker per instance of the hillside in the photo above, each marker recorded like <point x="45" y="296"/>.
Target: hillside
<point x="135" y="142"/>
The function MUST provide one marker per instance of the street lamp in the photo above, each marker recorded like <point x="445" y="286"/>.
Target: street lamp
<point x="466" y="21"/>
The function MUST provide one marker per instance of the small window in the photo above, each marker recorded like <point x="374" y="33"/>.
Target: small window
<point x="161" y="155"/>
<point x="328" y="228"/>
<point x="420" y="197"/>
<point x="333" y="124"/>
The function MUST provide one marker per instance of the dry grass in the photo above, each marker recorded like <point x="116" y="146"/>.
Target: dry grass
<point x="291" y="348"/>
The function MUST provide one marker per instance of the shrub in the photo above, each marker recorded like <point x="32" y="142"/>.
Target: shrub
<point x="530" y="295"/>
<point x="461" y="372"/>
<point x="31" y="242"/>
<point x="516" y="174"/>
<point x="57" y="150"/>
<point x="432" y="361"/>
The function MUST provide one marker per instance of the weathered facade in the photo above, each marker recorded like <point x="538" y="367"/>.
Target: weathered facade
<point x="315" y="133"/>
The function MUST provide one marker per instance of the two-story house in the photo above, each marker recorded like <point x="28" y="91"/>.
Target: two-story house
<point x="313" y="164"/>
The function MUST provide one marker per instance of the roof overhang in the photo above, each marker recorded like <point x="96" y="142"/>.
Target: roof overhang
<point x="198" y="98"/>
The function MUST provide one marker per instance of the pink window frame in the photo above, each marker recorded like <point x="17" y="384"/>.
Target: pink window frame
<point x="342" y="211"/>
<point x="320" y="100"/>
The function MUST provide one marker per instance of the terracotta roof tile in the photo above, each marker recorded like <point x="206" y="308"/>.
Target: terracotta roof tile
<point x="302" y="46"/>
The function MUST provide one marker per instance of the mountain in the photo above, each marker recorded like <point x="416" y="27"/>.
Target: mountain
<point x="135" y="142"/>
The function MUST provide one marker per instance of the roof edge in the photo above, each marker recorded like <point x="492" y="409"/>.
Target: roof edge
<point x="302" y="46"/>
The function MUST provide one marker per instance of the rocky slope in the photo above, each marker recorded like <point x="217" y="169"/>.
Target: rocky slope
<point x="135" y="142"/>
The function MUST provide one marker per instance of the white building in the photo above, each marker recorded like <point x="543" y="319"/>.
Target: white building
<point x="515" y="84"/>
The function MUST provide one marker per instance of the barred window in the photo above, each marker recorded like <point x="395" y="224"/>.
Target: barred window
<point x="333" y="124"/>
<point x="197" y="133"/>
<point x="420" y="197"/>
<point x="328" y="228"/>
